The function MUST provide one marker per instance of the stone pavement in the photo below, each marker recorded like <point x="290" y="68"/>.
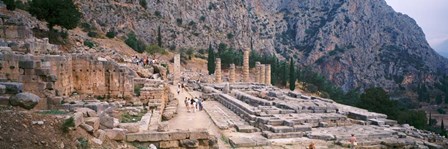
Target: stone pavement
<point x="185" y="120"/>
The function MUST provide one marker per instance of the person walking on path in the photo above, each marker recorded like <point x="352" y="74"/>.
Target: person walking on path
<point x="200" y="104"/>
<point x="192" y="103"/>
<point x="353" y="142"/>
<point x="187" y="104"/>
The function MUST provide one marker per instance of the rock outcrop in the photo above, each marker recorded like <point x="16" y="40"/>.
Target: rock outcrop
<point x="25" y="100"/>
<point x="353" y="43"/>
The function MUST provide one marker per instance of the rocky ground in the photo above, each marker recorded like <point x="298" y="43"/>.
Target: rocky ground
<point x="34" y="129"/>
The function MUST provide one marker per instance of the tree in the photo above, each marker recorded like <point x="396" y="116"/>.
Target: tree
<point x="442" y="129"/>
<point x="211" y="60"/>
<point x="134" y="43"/>
<point x="439" y="99"/>
<point x="377" y="100"/>
<point x="10" y="4"/>
<point x="56" y="12"/>
<point x="153" y="50"/>
<point x="292" y="78"/>
<point x="159" y="37"/>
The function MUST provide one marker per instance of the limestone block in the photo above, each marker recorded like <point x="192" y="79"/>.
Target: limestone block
<point x="96" y="141"/>
<point x="148" y="137"/>
<point x="42" y="72"/>
<point x="86" y="127"/>
<point x="78" y="118"/>
<point x="4" y="100"/>
<point x="241" y="142"/>
<point x="27" y="64"/>
<point x="199" y="134"/>
<point x="108" y="121"/>
<point x="2" y="89"/>
<point x="179" y="135"/>
<point x="162" y="127"/>
<point x="100" y="134"/>
<point x="189" y="143"/>
<point x="25" y="100"/>
<point x="86" y="112"/>
<point x="93" y="121"/>
<point x="117" y="134"/>
<point x="12" y="87"/>
<point x="169" y="144"/>
<point x="130" y="127"/>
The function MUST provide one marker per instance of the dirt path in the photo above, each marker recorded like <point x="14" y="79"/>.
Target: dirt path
<point x="185" y="120"/>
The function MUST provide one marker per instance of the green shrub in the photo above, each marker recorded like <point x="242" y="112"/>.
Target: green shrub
<point x="158" y="14"/>
<point x="311" y="88"/>
<point x="83" y="143"/>
<point x="111" y="34"/>
<point x="89" y="43"/>
<point x="192" y="23"/>
<point x="202" y="18"/>
<point x="179" y="21"/>
<point x="137" y="89"/>
<point x="127" y="118"/>
<point x="56" y="12"/>
<point x="230" y="36"/>
<point x="53" y="112"/>
<point x="10" y="4"/>
<point x="86" y="27"/>
<point x="92" y="34"/>
<point x="144" y="4"/>
<point x="134" y="43"/>
<point x="441" y="111"/>
<point x="70" y="122"/>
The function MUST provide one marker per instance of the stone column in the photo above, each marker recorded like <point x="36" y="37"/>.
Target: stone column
<point x="257" y="72"/>
<point x="262" y="74"/>
<point x="218" y="70"/>
<point x="246" y="65"/>
<point x="268" y="74"/>
<point x="232" y="73"/>
<point x="176" y="74"/>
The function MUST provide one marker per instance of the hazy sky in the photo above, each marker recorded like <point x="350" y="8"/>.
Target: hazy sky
<point x="431" y="16"/>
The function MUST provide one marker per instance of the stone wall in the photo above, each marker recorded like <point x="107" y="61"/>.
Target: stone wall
<point x="176" y="139"/>
<point x="61" y="75"/>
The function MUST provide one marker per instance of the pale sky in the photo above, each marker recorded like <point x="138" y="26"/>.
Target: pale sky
<point x="430" y="15"/>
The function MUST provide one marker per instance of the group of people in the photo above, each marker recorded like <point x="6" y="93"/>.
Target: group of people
<point x="180" y="87"/>
<point x="143" y="61"/>
<point x="193" y="104"/>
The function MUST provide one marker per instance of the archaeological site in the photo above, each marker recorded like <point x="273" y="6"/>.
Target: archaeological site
<point x="144" y="74"/>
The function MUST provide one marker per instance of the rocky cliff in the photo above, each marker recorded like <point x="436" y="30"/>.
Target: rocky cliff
<point x="353" y="43"/>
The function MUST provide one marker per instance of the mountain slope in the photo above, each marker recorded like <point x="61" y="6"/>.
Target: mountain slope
<point x="356" y="44"/>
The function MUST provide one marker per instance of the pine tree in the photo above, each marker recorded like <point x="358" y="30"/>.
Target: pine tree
<point x="211" y="60"/>
<point x="292" y="78"/>
<point x="430" y="117"/>
<point x="159" y="37"/>
<point x="442" y="129"/>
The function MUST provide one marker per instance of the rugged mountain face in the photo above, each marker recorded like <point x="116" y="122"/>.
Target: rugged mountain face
<point x="353" y="43"/>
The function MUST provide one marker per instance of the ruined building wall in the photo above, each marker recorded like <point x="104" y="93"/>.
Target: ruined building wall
<point x="63" y="75"/>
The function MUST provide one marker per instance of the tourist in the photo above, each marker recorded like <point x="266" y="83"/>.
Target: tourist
<point x="145" y="61"/>
<point x="353" y="142"/>
<point x="178" y="89"/>
<point x="196" y="103"/>
<point x="200" y="104"/>
<point x="312" y="146"/>
<point x="187" y="104"/>
<point x="192" y="104"/>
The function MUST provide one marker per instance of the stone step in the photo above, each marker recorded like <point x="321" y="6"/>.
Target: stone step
<point x="238" y="142"/>
<point x="246" y="128"/>
<point x="271" y="135"/>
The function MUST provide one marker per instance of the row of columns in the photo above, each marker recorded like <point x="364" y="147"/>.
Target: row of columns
<point x="263" y="71"/>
